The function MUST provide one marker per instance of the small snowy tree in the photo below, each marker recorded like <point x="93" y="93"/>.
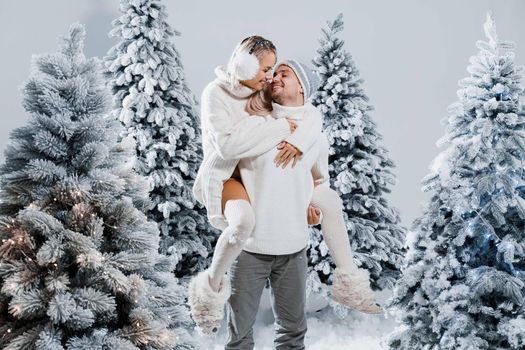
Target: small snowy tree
<point x="79" y="261"/>
<point x="360" y="170"/>
<point x="463" y="281"/>
<point x="153" y="101"/>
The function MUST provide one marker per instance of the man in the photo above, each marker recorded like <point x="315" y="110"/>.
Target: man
<point x="276" y="250"/>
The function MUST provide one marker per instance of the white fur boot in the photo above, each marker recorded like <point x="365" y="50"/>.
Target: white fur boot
<point x="352" y="289"/>
<point x="207" y="305"/>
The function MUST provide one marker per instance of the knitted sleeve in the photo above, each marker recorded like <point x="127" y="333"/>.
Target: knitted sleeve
<point x="250" y="137"/>
<point x="308" y="130"/>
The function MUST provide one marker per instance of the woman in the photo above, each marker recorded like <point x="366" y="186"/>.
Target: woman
<point x="229" y="134"/>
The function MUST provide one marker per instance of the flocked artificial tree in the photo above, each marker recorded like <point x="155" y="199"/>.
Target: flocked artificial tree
<point x="463" y="283"/>
<point x="79" y="261"/>
<point x="360" y="170"/>
<point x="153" y="101"/>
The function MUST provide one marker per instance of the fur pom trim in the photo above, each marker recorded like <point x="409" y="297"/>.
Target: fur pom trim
<point x="207" y="306"/>
<point x="352" y="289"/>
<point x="244" y="66"/>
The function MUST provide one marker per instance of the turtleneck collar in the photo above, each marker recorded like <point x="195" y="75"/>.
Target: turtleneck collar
<point x="232" y="86"/>
<point x="280" y="111"/>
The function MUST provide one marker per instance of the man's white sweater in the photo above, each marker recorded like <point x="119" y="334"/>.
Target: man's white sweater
<point x="280" y="197"/>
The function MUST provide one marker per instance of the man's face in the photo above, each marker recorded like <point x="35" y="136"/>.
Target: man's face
<point x="285" y="85"/>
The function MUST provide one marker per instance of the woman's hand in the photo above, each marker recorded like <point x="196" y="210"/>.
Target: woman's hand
<point x="313" y="215"/>
<point x="292" y="124"/>
<point x="286" y="154"/>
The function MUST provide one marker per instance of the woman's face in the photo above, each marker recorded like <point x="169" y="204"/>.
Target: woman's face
<point x="264" y="74"/>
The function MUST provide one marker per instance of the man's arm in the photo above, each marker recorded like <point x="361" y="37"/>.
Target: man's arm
<point x="320" y="176"/>
<point x="320" y="167"/>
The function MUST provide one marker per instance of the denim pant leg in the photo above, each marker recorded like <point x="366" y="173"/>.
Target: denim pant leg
<point x="288" y="282"/>
<point x="248" y="276"/>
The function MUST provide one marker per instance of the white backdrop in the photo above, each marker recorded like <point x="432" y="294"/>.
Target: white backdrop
<point x="411" y="54"/>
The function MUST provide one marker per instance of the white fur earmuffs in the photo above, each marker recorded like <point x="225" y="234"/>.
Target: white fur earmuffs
<point x="243" y="65"/>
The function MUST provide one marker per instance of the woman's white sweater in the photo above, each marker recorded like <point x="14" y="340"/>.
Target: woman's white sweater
<point x="229" y="134"/>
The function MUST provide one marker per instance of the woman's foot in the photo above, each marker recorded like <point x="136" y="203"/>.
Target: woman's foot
<point x="206" y="304"/>
<point x="352" y="289"/>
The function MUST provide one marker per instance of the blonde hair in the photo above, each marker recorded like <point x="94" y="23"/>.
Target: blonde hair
<point x="257" y="45"/>
<point x="260" y="102"/>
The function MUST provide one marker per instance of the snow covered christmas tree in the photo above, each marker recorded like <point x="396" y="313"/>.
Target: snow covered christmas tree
<point x="360" y="170"/>
<point x="79" y="261"/>
<point x="463" y="281"/>
<point x="153" y="101"/>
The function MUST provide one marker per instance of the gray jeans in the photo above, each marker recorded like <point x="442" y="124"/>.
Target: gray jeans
<point x="287" y="276"/>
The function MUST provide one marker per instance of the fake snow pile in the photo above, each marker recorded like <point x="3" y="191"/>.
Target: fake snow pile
<point x="326" y="330"/>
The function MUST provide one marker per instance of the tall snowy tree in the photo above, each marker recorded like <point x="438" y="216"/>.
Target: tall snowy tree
<point x="79" y="261"/>
<point x="153" y="101"/>
<point x="360" y="170"/>
<point x="463" y="281"/>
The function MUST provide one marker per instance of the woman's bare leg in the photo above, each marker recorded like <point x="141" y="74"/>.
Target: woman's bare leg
<point x="241" y="222"/>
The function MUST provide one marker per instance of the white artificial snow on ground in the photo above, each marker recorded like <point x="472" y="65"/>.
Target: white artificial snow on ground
<point x="326" y="331"/>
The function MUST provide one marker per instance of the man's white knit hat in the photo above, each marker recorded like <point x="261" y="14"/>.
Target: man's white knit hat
<point x="308" y="79"/>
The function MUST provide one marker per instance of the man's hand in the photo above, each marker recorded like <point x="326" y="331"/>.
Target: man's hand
<point x="314" y="215"/>
<point x="286" y="154"/>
